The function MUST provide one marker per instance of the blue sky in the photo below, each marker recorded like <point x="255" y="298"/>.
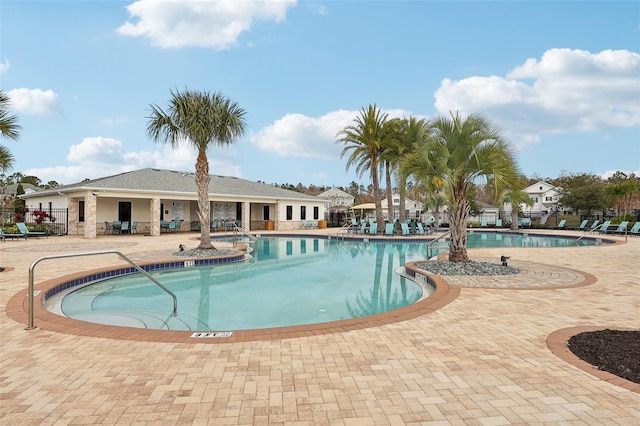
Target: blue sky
<point x="561" y="78"/>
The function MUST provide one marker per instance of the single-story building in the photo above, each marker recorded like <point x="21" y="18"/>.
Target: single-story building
<point x="151" y="196"/>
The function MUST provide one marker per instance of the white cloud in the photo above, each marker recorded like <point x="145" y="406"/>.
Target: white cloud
<point x="566" y="91"/>
<point x="100" y="156"/>
<point x="4" y="66"/>
<point x="35" y="101"/>
<point x="296" y="135"/>
<point x="213" y="24"/>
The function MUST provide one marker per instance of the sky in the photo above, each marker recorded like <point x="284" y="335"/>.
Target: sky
<point x="562" y="80"/>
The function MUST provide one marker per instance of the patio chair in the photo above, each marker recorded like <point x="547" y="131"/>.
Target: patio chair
<point x="420" y="230"/>
<point x="27" y="233"/>
<point x="124" y="228"/>
<point x="622" y="228"/>
<point x="4" y="236"/>
<point x="413" y="227"/>
<point x="108" y="229"/>
<point x="373" y="228"/>
<point x="605" y="226"/>
<point x="594" y="225"/>
<point x="388" y="230"/>
<point x="134" y="227"/>
<point x="405" y="228"/>
<point x="561" y="224"/>
<point x="583" y="224"/>
<point x="363" y="228"/>
<point x="498" y="223"/>
<point x="635" y="229"/>
<point x="116" y="226"/>
<point x="483" y="223"/>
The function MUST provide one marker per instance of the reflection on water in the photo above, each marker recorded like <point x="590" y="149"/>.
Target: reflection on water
<point x="288" y="285"/>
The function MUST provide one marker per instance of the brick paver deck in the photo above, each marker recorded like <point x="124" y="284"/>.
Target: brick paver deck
<point x="482" y="358"/>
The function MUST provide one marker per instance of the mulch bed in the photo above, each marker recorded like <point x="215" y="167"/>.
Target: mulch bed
<point x="614" y="351"/>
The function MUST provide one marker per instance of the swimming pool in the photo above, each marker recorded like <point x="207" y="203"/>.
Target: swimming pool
<point x="289" y="281"/>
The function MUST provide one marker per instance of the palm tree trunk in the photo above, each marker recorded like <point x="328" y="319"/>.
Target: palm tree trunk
<point x="202" y="185"/>
<point x="390" y="213"/>
<point x="377" y="198"/>
<point x="403" y="195"/>
<point x="459" y="218"/>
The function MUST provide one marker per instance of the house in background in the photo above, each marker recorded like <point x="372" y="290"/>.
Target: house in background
<point x="545" y="199"/>
<point x="336" y="199"/>
<point x="151" y="196"/>
<point x="413" y="209"/>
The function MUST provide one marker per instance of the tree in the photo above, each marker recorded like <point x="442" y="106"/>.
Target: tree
<point x="459" y="151"/>
<point x="582" y="192"/>
<point x="363" y="146"/>
<point x="516" y="197"/>
<point x="621" y="190"/>
<point x="407" y="134"/>
<point x="201" y="119"/>
<point x="10" y="129"/>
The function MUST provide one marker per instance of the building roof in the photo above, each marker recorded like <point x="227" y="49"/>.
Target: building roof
<point x="169" y="181"/>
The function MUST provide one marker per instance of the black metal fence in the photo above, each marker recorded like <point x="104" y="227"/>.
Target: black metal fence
<point x="54" y="221"/>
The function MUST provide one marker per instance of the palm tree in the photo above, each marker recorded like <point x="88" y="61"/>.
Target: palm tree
<point x="9" y="128"/>
<point x="459" y="151"/>
<point x="516" y="197"/>
<point x="410" y="132"/>
<point x="201" y="119"/>
<point x="363" y="144"/>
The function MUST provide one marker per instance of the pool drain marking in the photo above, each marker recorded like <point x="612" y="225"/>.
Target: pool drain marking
<point x="205" y="335"/>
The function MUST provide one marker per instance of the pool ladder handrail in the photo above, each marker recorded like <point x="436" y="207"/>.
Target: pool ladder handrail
<point x="430" y="243"/>
<point x="590" y="231"/>
<point x="240" y="230"/>
<point x="30" y="295"/>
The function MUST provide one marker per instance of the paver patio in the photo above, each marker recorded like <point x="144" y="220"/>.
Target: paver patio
<point x="481" y="359"/>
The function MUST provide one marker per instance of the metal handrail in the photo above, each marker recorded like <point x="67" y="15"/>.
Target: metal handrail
<point x="31" y="326"/>
<point x="589" y="231"/>
<point x="238" y="229"/>
<point x="430" y="243"/>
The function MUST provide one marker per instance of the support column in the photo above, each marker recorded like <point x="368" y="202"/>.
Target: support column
<point x="246" y="215"/>
<point x="73" y="216"/>
<point x="154" y="217"/>
<point x="90" y="203"/>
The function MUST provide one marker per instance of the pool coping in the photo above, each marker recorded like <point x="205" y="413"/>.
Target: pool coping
<point x="17" y="309"/>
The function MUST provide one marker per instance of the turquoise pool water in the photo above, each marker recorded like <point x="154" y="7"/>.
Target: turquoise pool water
<point x="289" y="281"/>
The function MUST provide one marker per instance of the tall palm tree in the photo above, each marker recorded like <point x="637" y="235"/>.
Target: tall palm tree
<point x="460" y="151"/>
<point x="9" y="128"/>
<point x="363" y="144"/>
<point x="201" y="119"/>
<point x="409" y="132"/>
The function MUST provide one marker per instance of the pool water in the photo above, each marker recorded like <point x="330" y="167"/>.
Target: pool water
<point x="289" y="281"/>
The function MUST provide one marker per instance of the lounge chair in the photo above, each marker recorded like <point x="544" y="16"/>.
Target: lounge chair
<point x="583" y="224"/>
<point x="420" y="228"/>
<point x="388" y="230"/>
<point x="4" y="236"/>
<point x="483" y="223"/>
<point x="498" y="223"/>
<point x="594" y="225"/>
<point x="605" y="227"/>
<point x="561" y="224"/>
<point x="405" y="228"/>
<point x="363" y="228"/>
<point x="622" y="228"/>
<point x="373" y="228"/>
<point x="134" y="227"/>
<point x="635" y="229"/>
<point x="25" y="231"/>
